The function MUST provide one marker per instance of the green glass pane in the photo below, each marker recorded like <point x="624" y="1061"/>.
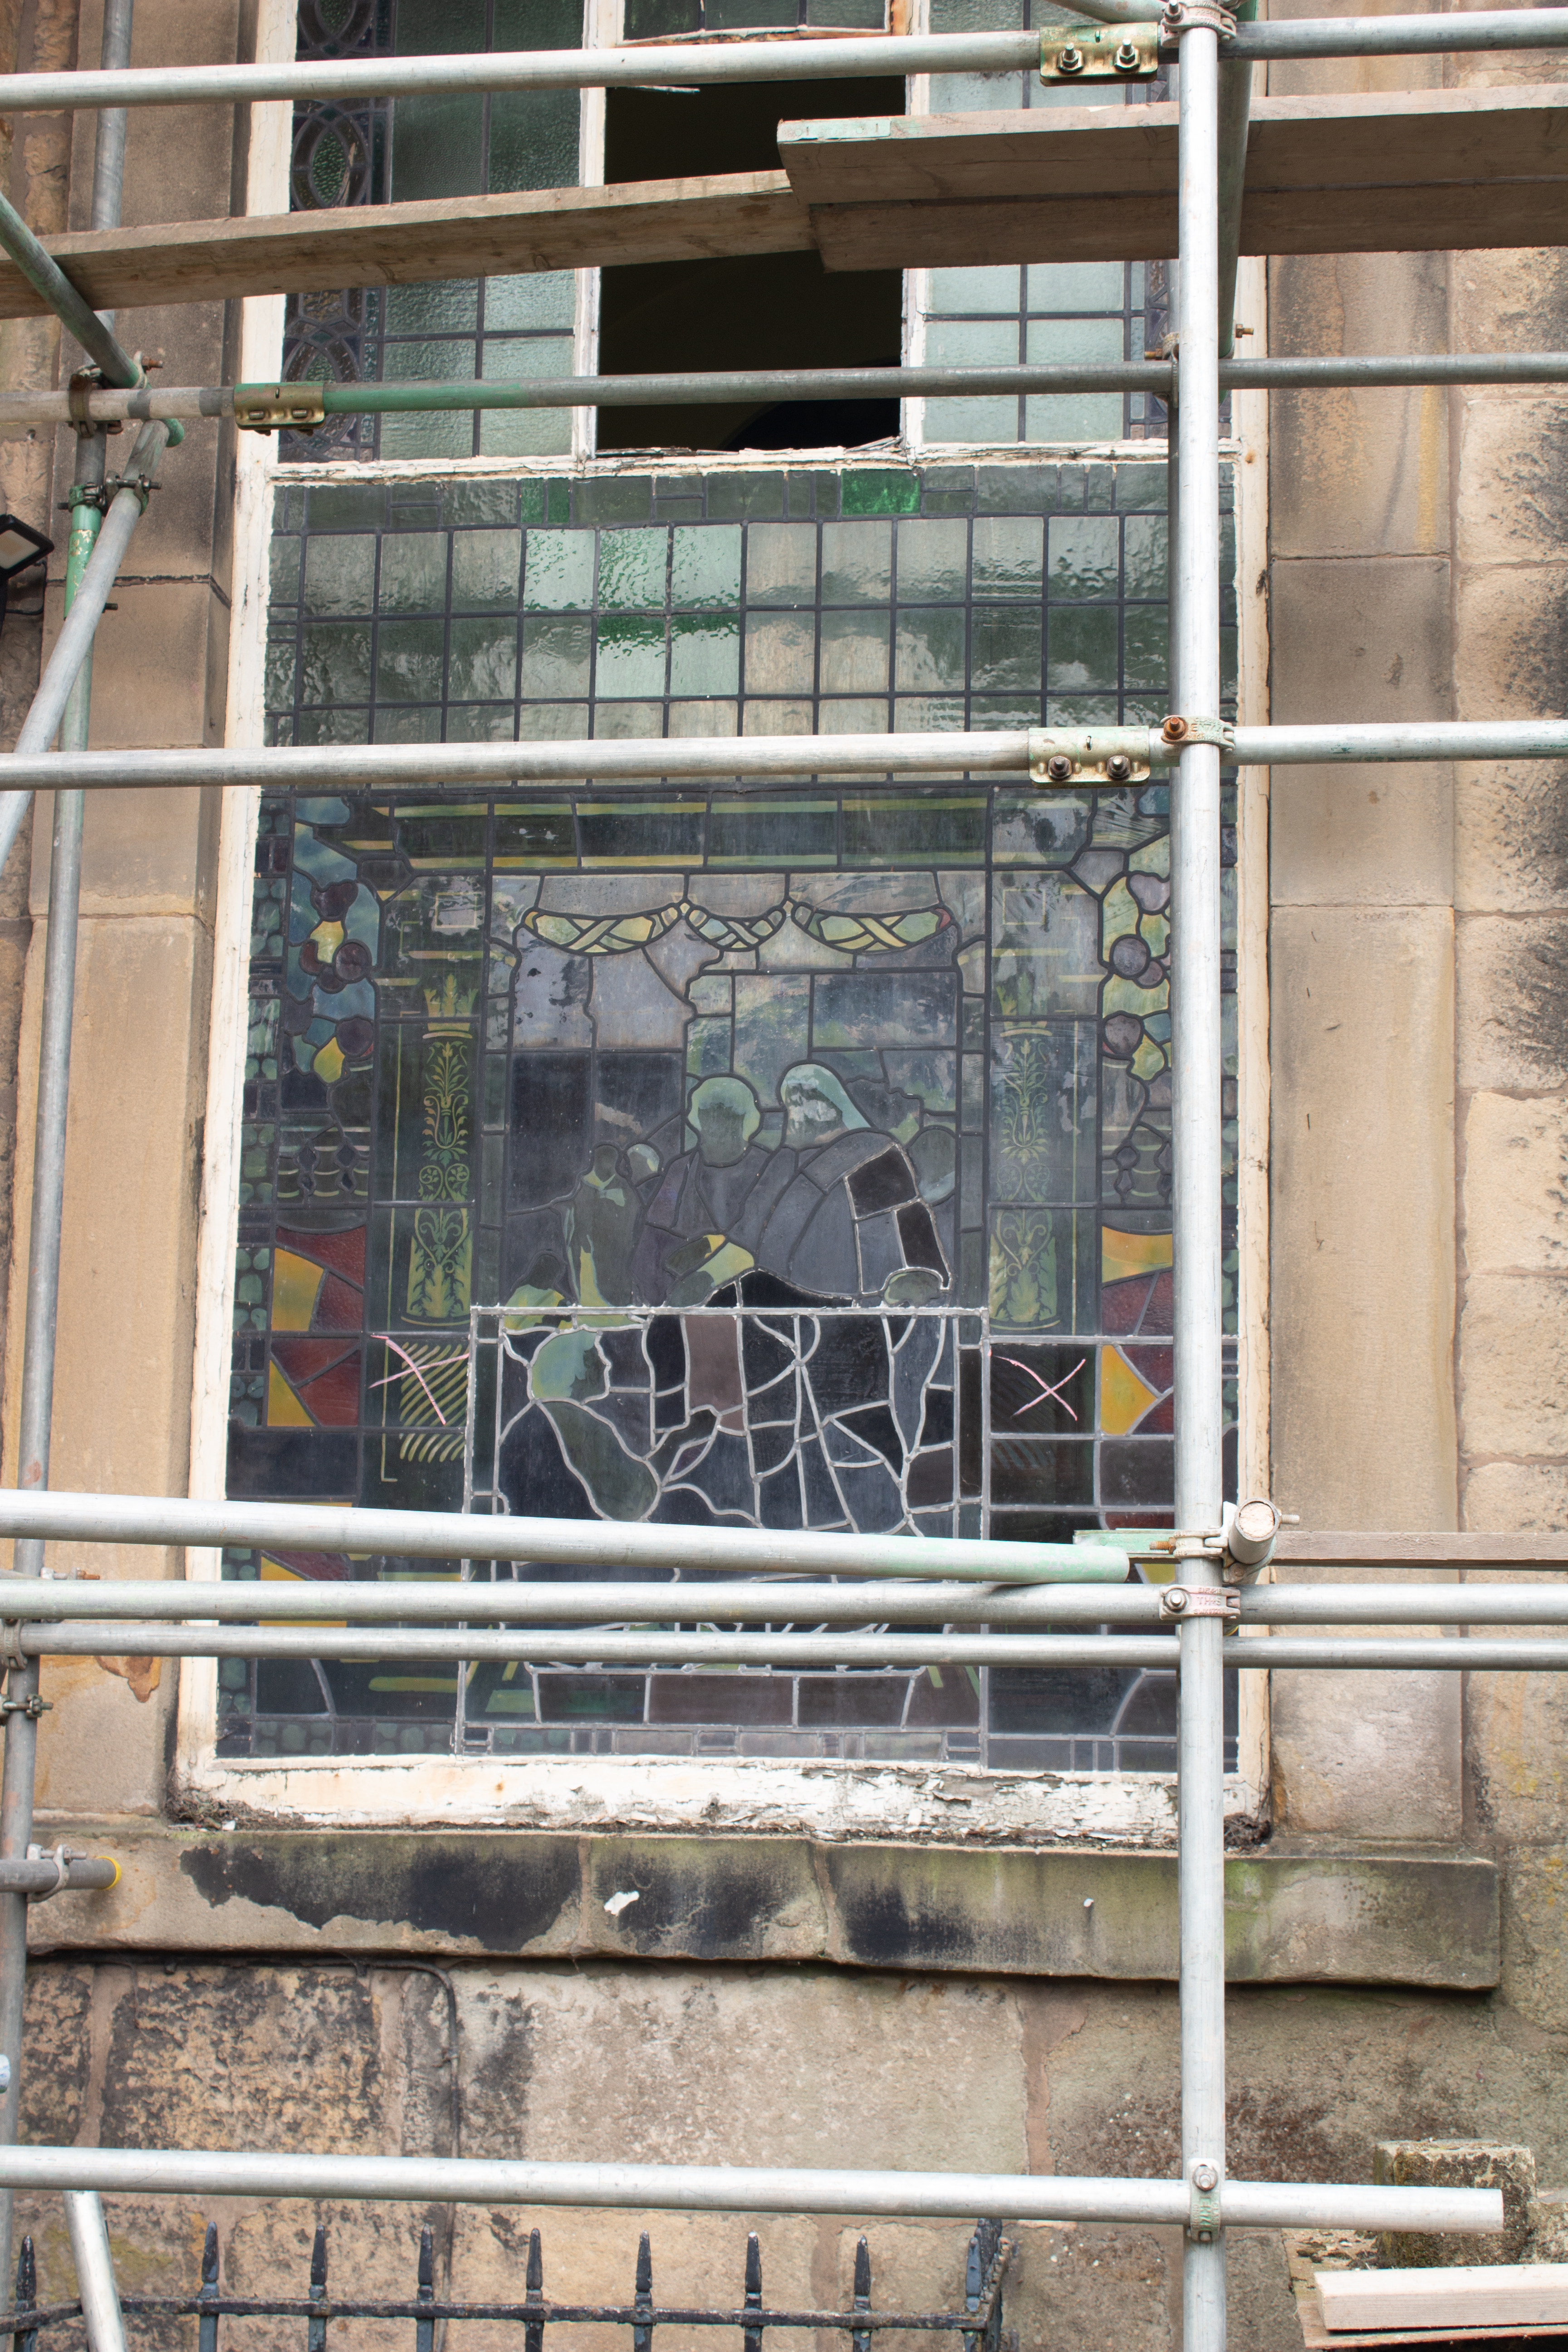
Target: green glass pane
<point x="481" y="663"/>
<point x="280" y="663"/>
<point x="558" y="572"/>
<point x="334" y="663"/>
<point x="857" y="563"/>
<point x="554" y="722"/>
<point x="631" y="655"/>
<point x="771" y="830"/>
<point x="339" y="574"/>
<point x="1045" y="1112"/>
<point x="1040" y="829"/>
<point x="436" y="309"/>
<point x="623" y="719"/>
<point x="494" y="503"/>
<point x="971" y="342"/>
<point x="1085" y="557"/>
<point x="537" y="25"/>
<point x="862" y="717"/>
<point x="854" y="653"/>
<point x="1009" y="550"/>
<point x="1004" y="650"/>
<point x="1083" y="648"/>
<point x="395" y="724"/>
<point x="485" y="568"/>
<point x="1146" y="638"/>
<point x="930" y="647"/>
<point x="450" y="434"/>
<point x="632" y="568"/>
<point x="705" y="653"/>
<point x="705" y="567"/>
<point x="533" y="139"/>
<point x="438" y="145"/>
<point x="928" y="714"/>
<point x="525" y="433"/>
<point x="1140" y="489"/>
<point x="715" y="717"/>
<point x="448" y="27"/>
<point x="284" y="582"/>
<point x="1004" y="710"/>
<point x="1074" y="417"/>
<point x="651" y="20"/>
<point x="781" y="653"/>
<point x="1145" y="570"/>
<point x="547" y="299"/>
<point x="480" y="723"/>
<point x="933" y="562"/>
<point x="960" y="292"/>
<point x="347" y="506"/>
<point x="1075" y="285"/>
<point x="555" y="661"/>
<point x="883" y="492"/>
<point x="408" y="661"/>
<point x="982" y="422"/>
<point x="413" y="571"/>
<point x="781" y="563"/>
<point x="736" y="16"/>
<point x="917" y="826"/>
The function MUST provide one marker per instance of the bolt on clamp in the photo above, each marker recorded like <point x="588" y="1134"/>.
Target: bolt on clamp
<point x="1178" y="733"/>
<point x="1092" y="755"/>
<point x="1203" y="2212"/>
<point x="1101" y="53"/>
<point x="1179" y="16"/>
<point x="1201" y="1601"/>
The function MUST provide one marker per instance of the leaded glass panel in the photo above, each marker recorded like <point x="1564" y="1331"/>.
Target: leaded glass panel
<point x="747" y="1113"/>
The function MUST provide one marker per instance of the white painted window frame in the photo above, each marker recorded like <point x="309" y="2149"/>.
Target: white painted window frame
<point x="829" y="1798"/>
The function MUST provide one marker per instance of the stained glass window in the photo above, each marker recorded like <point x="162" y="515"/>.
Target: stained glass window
<point x="747" y="1116"/>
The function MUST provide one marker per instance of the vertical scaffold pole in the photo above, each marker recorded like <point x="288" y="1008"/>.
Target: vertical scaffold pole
<point x="50" y="1157"/>
<point x="1195" y="946"/>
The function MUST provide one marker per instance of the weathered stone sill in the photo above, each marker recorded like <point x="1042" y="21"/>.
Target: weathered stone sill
<point x="1412" y="1916"/>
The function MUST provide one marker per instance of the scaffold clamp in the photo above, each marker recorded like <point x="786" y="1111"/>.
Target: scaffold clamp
<point x="1203" y="2214"/>
<point x="1200" y="1601"/>
<point x="280" y="407"/>
<point x="1093" y="755"/>
<point x="1101" y="53"/>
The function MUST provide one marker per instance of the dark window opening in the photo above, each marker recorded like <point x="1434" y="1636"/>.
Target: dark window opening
<point x="769" y="310"/>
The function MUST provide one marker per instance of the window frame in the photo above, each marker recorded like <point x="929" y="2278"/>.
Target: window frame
<point x="828" y="1797"/>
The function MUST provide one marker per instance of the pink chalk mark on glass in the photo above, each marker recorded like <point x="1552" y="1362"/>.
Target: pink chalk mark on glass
<point x="1046" y="1389"/>
<point x="461" y="1358"/>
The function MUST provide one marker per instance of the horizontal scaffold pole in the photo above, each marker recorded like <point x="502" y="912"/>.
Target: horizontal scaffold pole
<point x="400" y="1601"/>
<point x="605" y="1544"/>
<point x="188" y="401"/>
<point x="741" y="2189"/>
<point x="787" y="1653"/>
<point x="1036" y="752"/>
<point x="703" y="63"/>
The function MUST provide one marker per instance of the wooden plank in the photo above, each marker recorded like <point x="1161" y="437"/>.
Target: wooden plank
<point x="1425" y="171"/>
<point x="1308" y="2251"/>
<point x="401" y="244"/>
<point x="1352" y="1548"/>
<point x="1493" y="2294"/>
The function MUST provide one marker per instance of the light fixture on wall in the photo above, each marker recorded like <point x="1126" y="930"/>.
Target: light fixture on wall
<point x="20" y="547"/>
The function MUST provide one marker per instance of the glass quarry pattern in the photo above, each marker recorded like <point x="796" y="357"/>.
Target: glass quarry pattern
<point x="1051" y="312"/>
<point x="424" y="147"/>
<point x="604" y="1061"/>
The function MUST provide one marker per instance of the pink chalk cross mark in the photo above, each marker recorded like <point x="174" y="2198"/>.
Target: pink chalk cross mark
<point x="1045" y="1387"/>
<point x="461" y="1358"/>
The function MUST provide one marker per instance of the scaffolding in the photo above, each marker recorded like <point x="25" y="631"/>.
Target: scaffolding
<point x="1017" y="1602"/>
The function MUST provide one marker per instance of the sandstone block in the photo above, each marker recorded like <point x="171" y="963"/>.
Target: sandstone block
<point x="1548" y="2240"/>
<point x="1513" y="1365"/>
<point x="1456" y="2164"/>
<point x="1512" y="992"/>
<point x="1515" y="1205"/>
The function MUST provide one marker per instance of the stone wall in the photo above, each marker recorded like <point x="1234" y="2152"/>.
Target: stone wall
<point x="1418" y="930"/>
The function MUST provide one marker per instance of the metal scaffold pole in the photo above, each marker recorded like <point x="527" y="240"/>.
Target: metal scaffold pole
<point x="1195" y="994"/>
<point x="86" y="516"/>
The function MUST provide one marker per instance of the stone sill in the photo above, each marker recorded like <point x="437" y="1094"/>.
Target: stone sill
<point x="1425" y="1917"/>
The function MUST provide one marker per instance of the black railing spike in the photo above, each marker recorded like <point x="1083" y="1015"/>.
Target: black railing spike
<point x="206" y="2326"/>
<point x="424" y="2330"/>
<point x="316" y="2329"/>
<point x="751" y="2337"/>
<point x="26" y="2338"/>
<point x="860" y="2337"/>
<point x="642" y="2297"/>
<point x="534" y="2330"/>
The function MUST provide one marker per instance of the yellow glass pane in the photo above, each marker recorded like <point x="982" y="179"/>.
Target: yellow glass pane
<point x="1124" y="1397"/>
<point x="1122" y="1255"/>
<point x="295" y="1281"/>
